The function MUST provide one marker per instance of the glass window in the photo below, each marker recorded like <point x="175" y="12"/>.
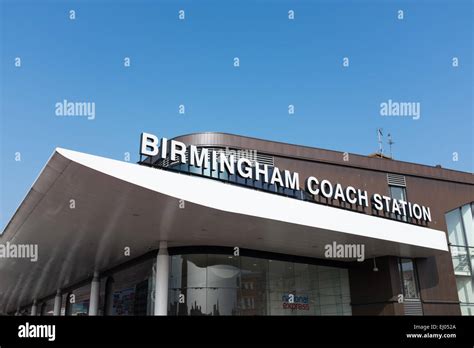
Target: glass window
<point x="409" y="279"/>
<point x="461" y="237"/>
<point x="189" y="271"/>
<point x="272" y="188"/>
<point x="47" y="308"/>
<point x="215" y="169"/>
<point x="455" y="230"/>
<point x="345" y="292"/>
<point x="281" y="275"/>
<point x="466" y="294"/>
<point x="266" y="186"/>
<point x="471" y="253"/>
<point x="256" y="183"/>
<point x="233" y="177"/>
<point x="468" y="224"/>
<point x="195" y="301"/>
<point x="207" y="171"/>
<point x="129" y="290"/>
<point x="281" y="288"/>
<point x="241" y="180"/>
<point x="467" y="309"/>
<point x="307" y="289"/>
<point x="460" y="258"/>
<point x="195" y="170"/>
<point x="398" y="193"/>
<point x="223" y="271"/>
<point x="78" y="304"/>
<point x="330" y="291"/>
<point x="224" y="175"/>
<point x="465" y="289"/>
<point x="228" y="285"/>
<point x="65" y="304"/>
<point x="254" y="286"/>
<point x="215" y="173"/>
<point x="222" y="301"/>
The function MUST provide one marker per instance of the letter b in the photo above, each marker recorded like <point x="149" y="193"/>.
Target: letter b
<point x="149" y="145"/>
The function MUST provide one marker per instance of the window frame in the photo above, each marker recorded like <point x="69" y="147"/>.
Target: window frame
<point x="415" y="275"/>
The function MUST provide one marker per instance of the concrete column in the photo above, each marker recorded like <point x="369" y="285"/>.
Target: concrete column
<point x="57" y="303"/>
<point x="34" y="309"/>
<point x="161" y="280"/>
<point x="94" y="297"/>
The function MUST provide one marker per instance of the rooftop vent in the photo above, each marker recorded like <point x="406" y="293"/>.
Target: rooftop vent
<point x="396" y="180"/>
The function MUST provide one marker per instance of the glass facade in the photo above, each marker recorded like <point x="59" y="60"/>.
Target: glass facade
<point x="209" y="284"/>
<point x="461" y="239"/>
<point x="47" y="307"/>
<point x="216" y="284"/>
<point x="128" y="291"/>
<point x="77" y="302"/>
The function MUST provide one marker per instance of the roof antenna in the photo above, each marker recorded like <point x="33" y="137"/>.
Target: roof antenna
<point x="379" y="136"/>
<point x="390" y="143"/>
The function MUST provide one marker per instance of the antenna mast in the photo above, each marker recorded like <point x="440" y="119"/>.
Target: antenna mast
<point x="379" y="136"/>
<point x="390" y="143"/>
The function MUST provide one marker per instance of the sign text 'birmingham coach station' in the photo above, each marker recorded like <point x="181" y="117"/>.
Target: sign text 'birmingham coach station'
<point x="243" y="167"/>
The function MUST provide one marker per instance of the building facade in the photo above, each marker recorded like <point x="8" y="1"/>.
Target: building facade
<point x="254" y="229"/>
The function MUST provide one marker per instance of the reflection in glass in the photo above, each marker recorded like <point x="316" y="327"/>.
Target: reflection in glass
<point x="222" y="301"/>
<point x="398" y="193"/>
<point x="78" y="304"/>
<point x="226" y="285"/>
<point x="47" y="308"/>
<point x="409" y="280"/>
<point x="223" y="271"/>
<point x="460" y="223"/>
<point x="195" y="170"/>
<point x="127" y="292"/>
<point x="455" y="230"/>
<point x="460" y="258"/>
<point x="253" y="286"/>
<point x="468" y="224"/>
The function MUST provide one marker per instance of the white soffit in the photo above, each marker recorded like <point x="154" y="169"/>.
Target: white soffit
<point x="246" y="201"/>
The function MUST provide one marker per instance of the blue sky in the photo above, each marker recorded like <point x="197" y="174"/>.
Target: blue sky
<point x="190" y="62"/>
